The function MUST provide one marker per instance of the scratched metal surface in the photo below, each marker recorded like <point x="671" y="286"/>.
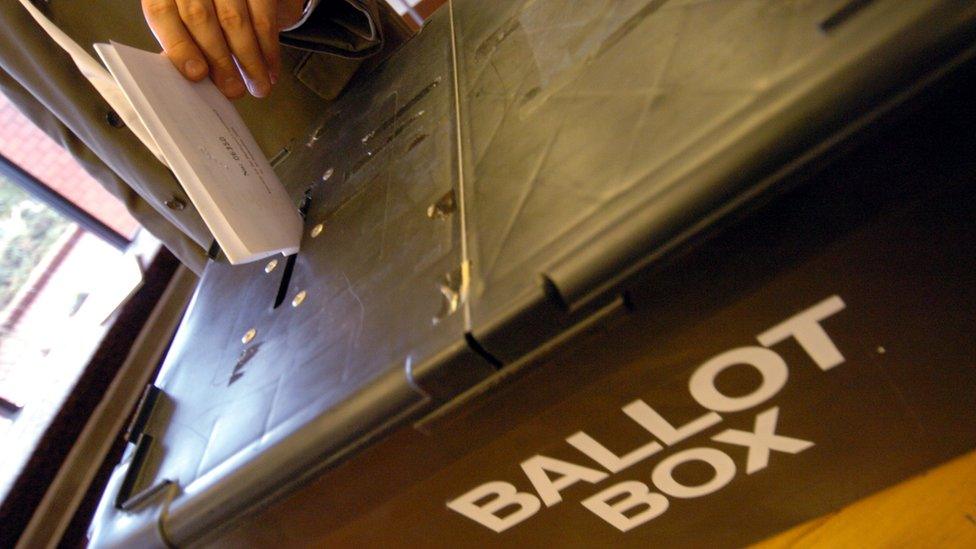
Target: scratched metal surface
<point x="577" y="114"/>
<point x="371" y="277"/>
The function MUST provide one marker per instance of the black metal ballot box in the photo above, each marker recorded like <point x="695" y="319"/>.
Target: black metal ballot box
<point x="586" y="273"/>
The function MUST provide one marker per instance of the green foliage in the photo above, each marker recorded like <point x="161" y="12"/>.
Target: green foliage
<point x="28" y="229"/>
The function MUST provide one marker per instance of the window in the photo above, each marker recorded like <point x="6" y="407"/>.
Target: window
<point x="64" y="271"/>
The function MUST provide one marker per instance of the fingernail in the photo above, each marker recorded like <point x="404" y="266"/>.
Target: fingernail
<point x="258" y="89"/>
<point x="194" y="68"/>
<point x="233" y="86"/>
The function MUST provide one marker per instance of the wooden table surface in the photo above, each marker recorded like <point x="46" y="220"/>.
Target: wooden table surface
<point x="935" y="509"/>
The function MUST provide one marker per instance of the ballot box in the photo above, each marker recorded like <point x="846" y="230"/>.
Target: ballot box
<point x="589" y="273"/>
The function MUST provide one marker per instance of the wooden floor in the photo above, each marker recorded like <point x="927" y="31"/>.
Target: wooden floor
<point x="936" y="509"/>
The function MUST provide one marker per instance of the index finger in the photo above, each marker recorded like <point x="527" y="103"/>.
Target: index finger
<point x="164" y="20"/>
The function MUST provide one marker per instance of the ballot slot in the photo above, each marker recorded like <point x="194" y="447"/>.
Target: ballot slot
<point x="285" y="281"/>
<point x="303" y="207"/>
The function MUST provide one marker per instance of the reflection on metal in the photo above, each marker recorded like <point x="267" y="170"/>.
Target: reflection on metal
<point x="328" y="174"/>
<point x="246" y="356"/>
<point x="317" y="230"/>
<point x="148" y="494"/>
<point x="316" y="135"/>
<point x="124" y="498"/>
<point x="271" y="265"/>
<point x="377" y="139"/>
<point x="299" y="298"/>
<point x="444" y="207"/>
<point x="399" y="120"/>
<point x="248" y="336"/>
<point x="451" y="288"/>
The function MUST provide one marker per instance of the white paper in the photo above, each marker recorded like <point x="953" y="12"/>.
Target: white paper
<point x="212" y="153"/>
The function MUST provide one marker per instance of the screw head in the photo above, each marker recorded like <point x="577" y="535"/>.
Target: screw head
<point x="248" y="336"/>
<point x="175" y="204"/>
<point x="271" y="265"/>
<point x="317" y="230"/>
<point x="299" y="298"/>
<point x="114" y="120"/>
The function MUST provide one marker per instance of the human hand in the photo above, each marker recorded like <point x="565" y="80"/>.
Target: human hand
<point x="234" y="41"/>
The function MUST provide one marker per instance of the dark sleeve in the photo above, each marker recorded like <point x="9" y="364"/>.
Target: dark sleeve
<point x="347" y="28"/>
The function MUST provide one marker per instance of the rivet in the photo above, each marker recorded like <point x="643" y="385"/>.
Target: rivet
<point x="328" y="173"/>
<point x="271" y="265"/>
<point x="317" y="230"/>
<point x="248" y="336"/>
<point x="114" y="120"/>
<point x="299" y="298"/>
<point x="175" y="204"/>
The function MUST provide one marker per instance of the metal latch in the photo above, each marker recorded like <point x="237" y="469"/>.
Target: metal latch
<point x="125" y="500"/>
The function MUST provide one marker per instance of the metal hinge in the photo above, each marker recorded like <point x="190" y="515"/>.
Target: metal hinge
<point x="136" y="434"/>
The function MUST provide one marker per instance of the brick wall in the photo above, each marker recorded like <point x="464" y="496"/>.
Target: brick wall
<point x="30" y="148"/>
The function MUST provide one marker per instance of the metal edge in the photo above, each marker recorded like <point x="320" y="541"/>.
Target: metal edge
<point x="288" y="456"/>
<point x="63" y="497"/>
<point x="701" y="195"/>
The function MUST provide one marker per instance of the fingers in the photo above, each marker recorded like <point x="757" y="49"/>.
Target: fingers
<point x="264" y="18"/>
<point x="165" y="22"/>
<point x="227" y="38"/>
<point x="200" y="19"/>
<point x="235" y="20"/>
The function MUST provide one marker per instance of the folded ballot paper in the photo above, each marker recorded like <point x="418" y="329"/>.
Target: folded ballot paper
<point x="212" y="153"/>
